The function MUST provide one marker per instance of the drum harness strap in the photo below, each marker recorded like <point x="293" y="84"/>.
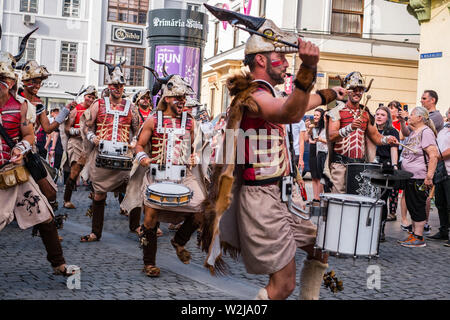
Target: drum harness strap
<point x="170" y="138"/>
<point x="117" y="114"/>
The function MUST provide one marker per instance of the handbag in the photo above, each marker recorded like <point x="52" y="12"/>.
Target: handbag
<point x="441" y="174"/>
<point x="32" y="160"/>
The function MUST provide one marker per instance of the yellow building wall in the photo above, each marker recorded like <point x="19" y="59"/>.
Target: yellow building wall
<point x="435" y="37"/>
<point x="393" y="79"/>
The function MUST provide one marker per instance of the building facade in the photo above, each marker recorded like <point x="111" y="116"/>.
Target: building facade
<point x="71" y="32"/>
<point x="373" y="37"/>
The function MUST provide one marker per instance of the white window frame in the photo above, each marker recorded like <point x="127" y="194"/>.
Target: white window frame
<point x="76" y="54"/>
<point x="195" y="6"/>
<point x="28" y="6"/>
<point x="25" y="57"/>
<point x="71" y="7"/>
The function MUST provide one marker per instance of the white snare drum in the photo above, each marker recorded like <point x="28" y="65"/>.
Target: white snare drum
<point x="349" y="224"/>
<point x="167" y="194"/>
<point x="113" y="162"/>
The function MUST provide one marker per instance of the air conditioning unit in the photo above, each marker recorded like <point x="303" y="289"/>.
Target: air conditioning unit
<point x="29" y="19"/>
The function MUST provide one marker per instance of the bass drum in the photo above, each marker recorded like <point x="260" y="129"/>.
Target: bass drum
<point x="357" y="184"/>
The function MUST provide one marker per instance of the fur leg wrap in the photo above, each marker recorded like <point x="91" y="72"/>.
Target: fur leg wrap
<point x="262" y="295"/>
<point x="98" y="215"/>
<point x="47" y="190"/>
<point x="149" y="243"/>
<point x="75" y="171"/>
<point x="306" y="78"/>
<point x="70" y="186"/>
<point x="311" y="278"/>
<point x="134" y="218"/>
<point x="49" y="236"/>
<point x="186" y="230"/>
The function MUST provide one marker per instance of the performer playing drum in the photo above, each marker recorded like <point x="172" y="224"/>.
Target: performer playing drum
<point x="168" y="136"/>
<point x="111" y="124"/>
<point x="348" y="128"/>
<point x="257" y="223"/>
<point x="20" y="196"/>
<point x="75" y="151"/>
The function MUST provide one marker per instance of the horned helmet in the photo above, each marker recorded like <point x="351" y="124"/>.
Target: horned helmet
<point x="91" y="90"/>
<point x="115" y="72"/>
<point x="32" y="70"/>
<point x="355" y="80"/>
<point x="170" y="85"/>
<point x="257" y="43"/>
<point x="140" y="94"/>
<point x="8" y="62"/>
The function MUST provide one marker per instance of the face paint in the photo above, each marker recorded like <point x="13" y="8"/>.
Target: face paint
<point x="276" y="63"/>
<point x="4" y="84"/>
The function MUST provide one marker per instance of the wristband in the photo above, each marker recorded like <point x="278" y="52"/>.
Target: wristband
<point x="62" y="115"/>
<point x="74" y="131"/>
<point x="91" y="136"/>
<point x="384" y="140"/>
<point x="24" y="146"/>
<point x="39" y="108"/>
<point x="306" y="78"/>
<point x="141" y="156"/>
<point x="345" y="132"/>
<point x="327" y="95"/>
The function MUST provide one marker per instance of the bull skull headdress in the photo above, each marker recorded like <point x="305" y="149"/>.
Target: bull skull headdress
<point x="170" y="85"/>
<point x="355" y="80"/>
<point x="32" y="70"/>
<point x="115" y="72"/>
<point x="265" y="35"/>
<point x="140" y="94"/>
<point x="8" y="62"/>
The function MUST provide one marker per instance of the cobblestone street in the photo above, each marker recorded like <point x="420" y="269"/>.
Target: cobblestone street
<point x="111" y="268"/>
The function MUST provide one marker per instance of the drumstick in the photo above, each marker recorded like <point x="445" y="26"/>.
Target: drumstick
<point x="365" y="105"/>
<point x="405" y="146"/>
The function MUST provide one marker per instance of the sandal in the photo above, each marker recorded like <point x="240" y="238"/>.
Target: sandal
<point x="89" y="238"/>
<point x="59" y="272"/>
<point x="151" y="271"/>
<point x="69" y="205"/>
<point x="183" y="255"/>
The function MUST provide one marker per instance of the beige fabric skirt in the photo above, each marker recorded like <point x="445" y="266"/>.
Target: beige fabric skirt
<point x="338" y="171"/>
<point x="25" y="202"/>
<point x="269" y="234"/>
<point x="106" y="180"/>
<point x="74" y="149"/>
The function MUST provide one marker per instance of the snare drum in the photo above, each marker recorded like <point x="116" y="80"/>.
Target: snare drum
<point x="168" y="194"/>
<point x="113" y="162"/>
<point x="356" y="183"/>
<point x="349" y="224"/>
